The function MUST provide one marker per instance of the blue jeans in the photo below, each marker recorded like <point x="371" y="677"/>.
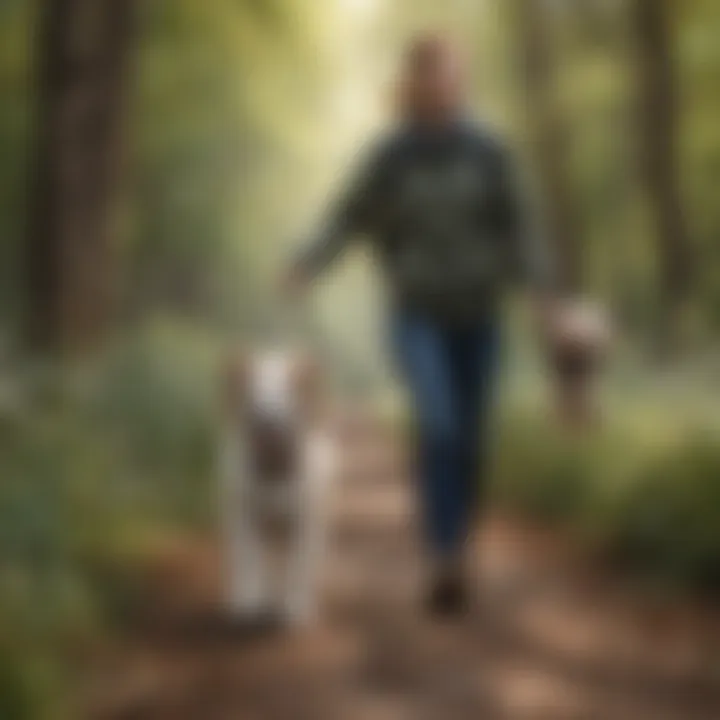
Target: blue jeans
<point x="450" y="373"/>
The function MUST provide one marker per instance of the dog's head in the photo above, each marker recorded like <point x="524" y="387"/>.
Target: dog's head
<point x="276" y="395"/>
<point x="584" y="329"/>
<point x="297" y="379"/>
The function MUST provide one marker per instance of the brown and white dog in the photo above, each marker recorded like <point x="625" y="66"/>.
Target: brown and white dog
<point x="279" y="460"/>
<point x="581" y="336"/>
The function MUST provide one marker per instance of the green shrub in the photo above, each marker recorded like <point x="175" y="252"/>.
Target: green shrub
<point x="643" y="490"/>
<point x="539" y="471"/>
<point x="45" y="600"/>
<point x="668" y="523"/>
<point x="155" y="400"/>
<point x="100" y="455"/>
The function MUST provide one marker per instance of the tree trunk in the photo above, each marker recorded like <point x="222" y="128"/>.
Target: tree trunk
<point x="84" y="52"/>
<point x="658" y="131"/>
<point x="549" y="134"/>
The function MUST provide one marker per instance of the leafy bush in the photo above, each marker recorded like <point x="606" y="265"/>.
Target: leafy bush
<point x="46" y="515"/>
<point x="154" y="399"/>
<point x="540" y="471"/>
<point x="669" y="521"/>
<point x="114" y="449"/>
<point x="643" y="490"/>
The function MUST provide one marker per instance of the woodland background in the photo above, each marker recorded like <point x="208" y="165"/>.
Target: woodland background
<point x="161" y="158"/>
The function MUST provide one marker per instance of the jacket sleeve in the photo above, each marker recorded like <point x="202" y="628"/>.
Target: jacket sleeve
<point x="354" y="212"/>
<point x="531" y="260"/>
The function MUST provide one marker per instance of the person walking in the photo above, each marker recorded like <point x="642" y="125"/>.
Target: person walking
<point x="439" y="200"/>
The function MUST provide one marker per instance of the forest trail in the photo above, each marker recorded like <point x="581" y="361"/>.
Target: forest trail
<point x="549" y="639"/>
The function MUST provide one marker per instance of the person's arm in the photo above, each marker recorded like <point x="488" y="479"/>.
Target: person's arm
<point x="530" y="257"/>
<point x="354" y="213"/>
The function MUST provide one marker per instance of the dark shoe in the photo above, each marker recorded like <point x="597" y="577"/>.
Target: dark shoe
<point x="447" y="595"/>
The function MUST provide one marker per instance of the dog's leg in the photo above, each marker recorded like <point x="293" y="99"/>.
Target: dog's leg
<point x="307" y="552"/>
<point x="244" y="572"/>
<point x="305" y="559"/>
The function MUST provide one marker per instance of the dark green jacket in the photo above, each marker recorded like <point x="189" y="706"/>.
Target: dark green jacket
<point x="444" y="213"/>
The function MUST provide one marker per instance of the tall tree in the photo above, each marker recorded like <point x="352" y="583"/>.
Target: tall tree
<point x="658" y="131"/>
<point x="84" y="50"/>
<point x="548" y="129"/>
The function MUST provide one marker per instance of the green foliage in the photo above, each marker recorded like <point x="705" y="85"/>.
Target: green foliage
<point x="643" y="493"/>
<point x="668" y="523"/>
<point x="119" y="451"/>
<point x="540" y="469"/>
<point x="217" y="109"/>
<point x="44" y="599"/>
<point x="154" y="397"/>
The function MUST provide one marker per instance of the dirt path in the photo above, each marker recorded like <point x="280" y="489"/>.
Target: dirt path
<point x="546" y="641"/>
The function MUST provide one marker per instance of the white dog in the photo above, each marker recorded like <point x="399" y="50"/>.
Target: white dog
<point x="279" y="459"/>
